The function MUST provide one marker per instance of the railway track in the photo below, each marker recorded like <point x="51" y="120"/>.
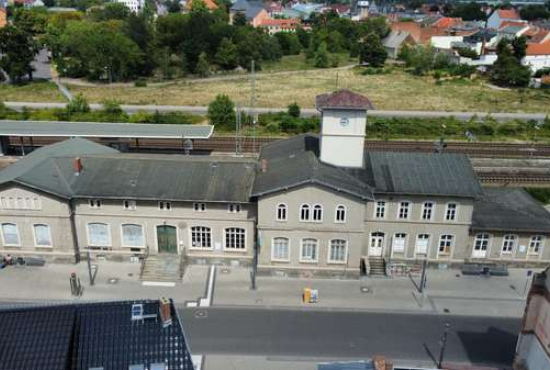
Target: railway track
<point x="227" y="144"/>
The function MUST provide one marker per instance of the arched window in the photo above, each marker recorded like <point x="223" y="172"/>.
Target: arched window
<point x="308" y="252"/>
<point x="99" y="235"/>
<point x="340" y="213"/>
<point x="132" y="235"/>
<point x="281" y="212"/>
<point x="10" y="234"/>
<point x="42" y="235"/>
<point x="318" y="213"/>
<point x="201" y="237"/>
<point x="280" y="249"/>
<point x="304" y="212"/>
<point x="338" y="251"/>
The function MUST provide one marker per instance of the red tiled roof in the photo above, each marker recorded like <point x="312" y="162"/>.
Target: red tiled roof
<point x="505" y="24"/>
<point x="283" y="23"/>
<point x="342" y="99"/>
<point x="508" y="14"/>
<point x="539" y="37"/>
<point x="210" y="4"/>
<point x="447" y="22"/>
<point x="538" y="49"/>
<point x="412" y="28"/>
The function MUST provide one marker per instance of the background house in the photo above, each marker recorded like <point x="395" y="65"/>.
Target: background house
<point x="3" y="17"/>
<point x="501" y="15"/>
<point x="395" y="41"/>
<point x="253" y="10"/>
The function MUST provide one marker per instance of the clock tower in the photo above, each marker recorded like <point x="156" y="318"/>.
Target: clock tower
<point x="343" y="124"/>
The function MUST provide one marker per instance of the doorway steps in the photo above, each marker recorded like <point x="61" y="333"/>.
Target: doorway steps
<point x="162" y="268"/>
<point x="377" y="267"/>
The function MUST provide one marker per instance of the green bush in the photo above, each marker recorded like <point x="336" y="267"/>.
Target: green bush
<point x="273" y="127"/>
<point x="140" y="83"/>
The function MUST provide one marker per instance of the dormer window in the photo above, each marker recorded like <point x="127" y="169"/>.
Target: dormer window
<point x="233" y="208"/>
<point x="199" y="207"/>
<point x="95" y="203"/>
<point x="129" y="205"/>
<point x="165" y="206"/>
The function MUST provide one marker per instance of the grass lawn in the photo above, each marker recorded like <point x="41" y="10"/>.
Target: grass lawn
<point x="394" y="91"/>
<point x="299" y="63"/>
<point x="32" y="92"/>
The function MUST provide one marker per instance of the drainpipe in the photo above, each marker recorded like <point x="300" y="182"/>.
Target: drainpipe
<point x="74" y="234"/>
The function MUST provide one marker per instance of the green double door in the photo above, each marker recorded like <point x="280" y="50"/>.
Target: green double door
<point x="167" y="240"/>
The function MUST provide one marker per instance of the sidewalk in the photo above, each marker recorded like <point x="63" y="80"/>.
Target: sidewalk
<point x="447" y="291"/>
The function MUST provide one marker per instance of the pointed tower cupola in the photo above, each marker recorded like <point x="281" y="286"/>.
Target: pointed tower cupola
<point x="343" y="124"/>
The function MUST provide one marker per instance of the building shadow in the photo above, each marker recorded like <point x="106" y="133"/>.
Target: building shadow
<point x="495" y="346"/>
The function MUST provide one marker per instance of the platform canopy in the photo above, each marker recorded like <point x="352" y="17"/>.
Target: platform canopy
<point x="96" y="129"/>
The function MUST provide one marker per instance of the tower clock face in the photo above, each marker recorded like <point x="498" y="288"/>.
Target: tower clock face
<point x="344" y="122"/>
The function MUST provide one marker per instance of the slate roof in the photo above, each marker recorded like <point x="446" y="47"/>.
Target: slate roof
<point x="342" y="99"/>
<point x="395" y="39"/>
<point x="294" y="162"/>
<point x="109" y="174"/>
<point x="84" y="336"/>
<point x="509" y="210"/>
<point x="250" y="8"/>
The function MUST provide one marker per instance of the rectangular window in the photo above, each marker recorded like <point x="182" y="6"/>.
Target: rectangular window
<point x="427" y="211"/>
<point x="235" y="238"/>
<point x="308" y="251"/>
<point x="99" y="235"/>
<point x="199" y="207"/>
<point x="445" y="244"/>
<point x="398" y="245"/>
<point x="380" y="211"/>
<point x="201" y="237"/>
<point x="165" y="206"/>
<point x="233" y="208"/>
<point x="10" y="235"/>
<point x="535" y="244"/>
<point x="508" y="244"/>
<point x="338" y="251"/>
<point x="450" y="214"/>
<point x="422" y="244"/>
<point x="280" y="249"/>
<point x="132" y="236"/>
<point x="42" y="236"/>
<point x="403" y="210"/>
<point x="95" y="203"/>
<point x="129" y="205"/>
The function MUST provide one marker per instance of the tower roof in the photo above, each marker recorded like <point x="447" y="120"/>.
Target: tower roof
<point x="342" y="99"/>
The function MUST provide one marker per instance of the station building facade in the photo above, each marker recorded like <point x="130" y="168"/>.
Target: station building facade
<point x="309" y="205"/>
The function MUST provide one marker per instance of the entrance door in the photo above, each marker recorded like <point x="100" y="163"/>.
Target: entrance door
<point x="375" y="245"/>
<point x="422" y="241"/>
<point x="166" y="239"/>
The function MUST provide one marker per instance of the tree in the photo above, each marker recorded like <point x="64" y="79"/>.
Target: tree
<point x="203" y="67"/>
<point x="519" y="46"/>
<point x="221" y="112"/>
<point x="289" y="43"/>
<point x="18" y="50"/>
<point x="239" y="19"/>
<point x="507" y="70"/>
<point x="534" y="12"/>
<point x="469" y="12"/>
<point x="293" y="110"/>
<point x="226" y="56"/>
<point x="173" y="6"/>
<point x="372" y="51"/>
<point x="78" y="105"/>
<point x="321" y="58"/>
<point x="111" y="11"/>
<point x="198" y="6"/>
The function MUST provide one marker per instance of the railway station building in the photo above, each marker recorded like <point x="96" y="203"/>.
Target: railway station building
<point x="310" y="205"/>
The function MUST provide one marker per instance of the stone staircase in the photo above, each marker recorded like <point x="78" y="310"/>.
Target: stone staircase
<point x="162" y="268"/>
<point x="377" y="267"/>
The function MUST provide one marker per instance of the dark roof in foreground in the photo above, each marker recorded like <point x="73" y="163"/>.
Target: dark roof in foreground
<point x="251" y="8"/>
<point x="295" y="161"/>
<point x="510" y="209"/>
<point x="108" y="174"/>
<point x="342" y="99"/>
<point x="84" y="336"/>
<point x="95" y="129"/>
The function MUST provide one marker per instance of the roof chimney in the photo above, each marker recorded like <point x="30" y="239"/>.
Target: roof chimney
<point x="165" y="312"/>
<point x="77" y="165"/>
<point x="264" y="165"/>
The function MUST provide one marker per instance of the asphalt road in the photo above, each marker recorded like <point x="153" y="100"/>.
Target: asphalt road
<point x="202" y="110"/>
<point x="328" y="334"/>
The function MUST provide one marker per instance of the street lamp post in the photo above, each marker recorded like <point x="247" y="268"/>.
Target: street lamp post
<point x="443" y="344"/>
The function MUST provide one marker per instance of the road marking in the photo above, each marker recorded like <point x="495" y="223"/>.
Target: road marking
<point x="159" y="283"/>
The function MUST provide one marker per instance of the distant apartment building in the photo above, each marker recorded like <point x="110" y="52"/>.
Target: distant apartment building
<point x="134" y="5"/>
<point x="533" y="348"/>
<point x="273" y="26"/>
<point x="253" y="10"/>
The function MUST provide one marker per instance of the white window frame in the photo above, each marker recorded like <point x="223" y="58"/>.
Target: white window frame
<point x="329" y="249"/>
<point x="18" y="244"/>
<point x="277" y="259"/>
<point x="301" y="259"/>
<point x="541" y="245"/>
<point x="283" y="208"/>
<point x="455" y="218"/>
<point x="233" y="208"/>
<point x="451" y="246"/>
<point x="94" y="203"/>
<point x="108" y="233"/>
<point x="164" y="205"/>
<point x="478" y="237"/>
<point x="383" y="207"/>
<point x="34" y="235"/>
<point x="202" y="230"/>
<point x="405" y="239"/>
<point x="129" y="205"/>
<point x="430" y="209"/>
<point x="199" y="207"/>
<point x="317" y="208"/>
<point x="340" y="208"/>
<point x="225" y="248"/>
<point x="429" y="238"/>
<point x="504" y="242"/>
<point x="400" y="207"/>
<point x="122" y="235"/>
<point x="309" y="212"/>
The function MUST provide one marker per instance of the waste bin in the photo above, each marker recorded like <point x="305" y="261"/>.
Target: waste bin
<point x="306" y="295"/>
